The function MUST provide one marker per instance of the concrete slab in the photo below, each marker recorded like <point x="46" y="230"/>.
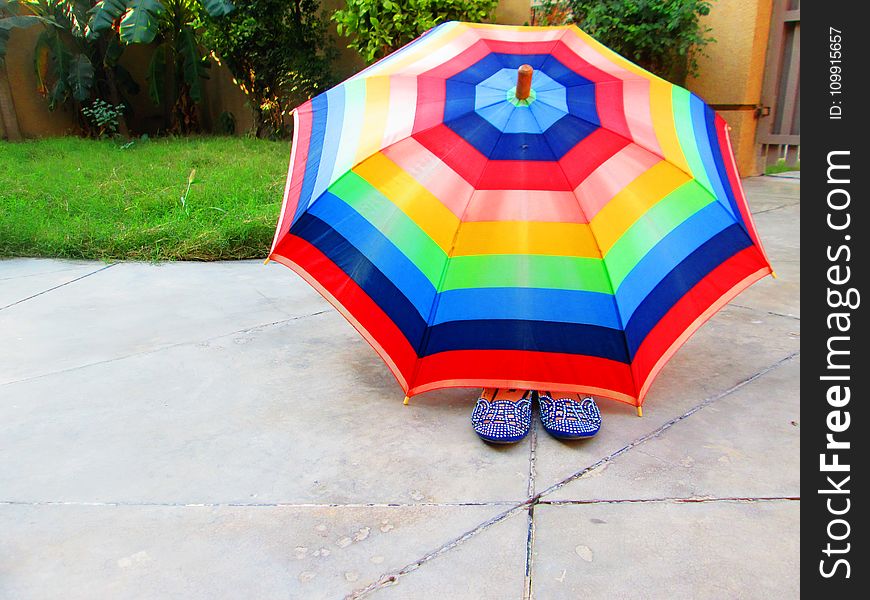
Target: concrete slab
<point x="21" y="279"/>
<point x="744" y="445"/>
<point x="301" y="411"/>
<point x="192" y="430"/>
<point x="136" y="307"/>
<point x="667" y="550"/>
<point x="205" y="552"/>
<point x="779" y="229"/>
<point x="733" y="346"/>
<point x="460" y="573"/>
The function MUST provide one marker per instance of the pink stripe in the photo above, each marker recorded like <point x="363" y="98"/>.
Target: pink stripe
<point x="536" y="47"/>
<point x="524" y="205"/>
<point x="519" y="35"/>
<point x="298" y="158"/>
<point x="638" y="114"/>
<point x="591" y="55"/>
<point x="460" y="62"/>
<point x="567" y="56"/>
<point x="430" y="103"/>
<point x="430" y="57"/>
<point x="612" y="176"/>
<point x="736" y="185"/>
<point x="432" y="173"/>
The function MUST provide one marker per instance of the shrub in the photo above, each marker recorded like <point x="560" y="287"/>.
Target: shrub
<point x="279" y="54"/>
<point x="662" y="36"/>
<point x="379" y="27"/>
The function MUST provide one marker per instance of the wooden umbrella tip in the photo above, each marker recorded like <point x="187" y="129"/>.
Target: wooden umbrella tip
<point x="524" y="81"/>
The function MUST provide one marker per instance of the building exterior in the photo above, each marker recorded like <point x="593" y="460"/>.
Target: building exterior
<point x="750" y="74"/>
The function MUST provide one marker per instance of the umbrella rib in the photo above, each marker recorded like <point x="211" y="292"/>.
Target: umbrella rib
<point x="603" y="264"/>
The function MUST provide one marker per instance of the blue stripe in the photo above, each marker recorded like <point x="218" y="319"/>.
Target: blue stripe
<point x="699" y="125"/>
<point x="520" y="334"/>
<point x="332" y="137"/>
<point x="377" y="249"/>
<point x="680" y="280"/>
<point x="566" y="133"/>
<point x="719" y="160"/>
<point x="684" y="239"/>
<point x="315" y="148"/>
<point x="535" y="336"/>
<point x="527" y="304"/>
<point x="366" y="275"/>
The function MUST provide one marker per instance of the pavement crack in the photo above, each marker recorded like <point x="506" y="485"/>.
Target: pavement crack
<point x="252" y="329"/>
<point x="511" y="503"/>
<point x="675" y="500"/>
<point x="392" y="577"/>
<point x="530" y="536"/>
<point x="781" y="206"/>
<point x="109" y="266"/>
<point x="769" y="312"/>
<point x="661" y="429"/>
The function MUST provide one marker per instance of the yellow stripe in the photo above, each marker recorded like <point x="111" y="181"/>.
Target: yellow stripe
<point x="612" y="56"/>
<point x="662" y="111"/>
<point x="633" y="201"/>
<point x="411" y="198"/>
<point x="519" y="237"/>
<point x="515" y="27"/>
<point x="532" y="237"/>
<point x="375" y="120"/>
<point x="423" y="49"/>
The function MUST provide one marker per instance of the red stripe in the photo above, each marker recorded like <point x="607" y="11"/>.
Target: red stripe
<point x="352" y="302"/>
<point x="680" y="321"/>
<point x="487" y="174"/>
<point x="589" y="154"/>
<point x="610" y="102"/>
<point x="301" y="141"/>
<point x="456" y="153"/>
<point x="531" y="370"/>
<point x="734" y="178"/>
<point x="522" y="175"/>
<point x="573" y="61"/>
<point x="460" y="62"/>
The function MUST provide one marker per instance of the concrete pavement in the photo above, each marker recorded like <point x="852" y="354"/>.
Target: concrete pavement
<point x="216" y="430"/>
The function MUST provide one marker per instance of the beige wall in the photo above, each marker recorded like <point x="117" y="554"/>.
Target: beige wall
<point x="35" y="120"/>
<point x="733" y="70"/>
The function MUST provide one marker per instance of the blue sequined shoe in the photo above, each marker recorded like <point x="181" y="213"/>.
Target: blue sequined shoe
<point x="502" y="419"/>
<point x="568" y="417"/>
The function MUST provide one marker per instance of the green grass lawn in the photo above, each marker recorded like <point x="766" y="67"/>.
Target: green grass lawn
<point x="75" y="198"/>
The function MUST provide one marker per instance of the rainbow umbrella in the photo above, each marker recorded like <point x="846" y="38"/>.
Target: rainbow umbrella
<point x="571" y="235"/>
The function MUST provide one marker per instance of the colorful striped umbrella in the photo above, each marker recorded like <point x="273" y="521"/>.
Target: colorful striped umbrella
<point x="570" y="236"/>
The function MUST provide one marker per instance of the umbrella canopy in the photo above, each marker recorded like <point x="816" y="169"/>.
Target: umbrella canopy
<point x="569" y="235"/>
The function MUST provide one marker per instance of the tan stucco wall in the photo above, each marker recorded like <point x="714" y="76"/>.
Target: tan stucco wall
<point x="35" y="120"/>
<point x="733" y="70"/>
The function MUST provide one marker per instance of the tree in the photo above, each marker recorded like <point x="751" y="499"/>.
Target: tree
<point x="175" y="25"/>
<point x="279" y="54"/>
<point x="10" y="19"/>
<point x="71" y="68"/>
<point x="662" y="36"/>
<point x="379" y="27"/>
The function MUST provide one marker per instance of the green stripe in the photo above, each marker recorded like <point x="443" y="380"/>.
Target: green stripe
<point x="527" y="271"/>
<point x="656" y="223"/>
<point x="686" y="133"/>
<point x="395" y="225"/>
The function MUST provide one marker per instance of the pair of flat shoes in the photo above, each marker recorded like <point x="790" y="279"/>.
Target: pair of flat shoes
<point x="505" y="416"/>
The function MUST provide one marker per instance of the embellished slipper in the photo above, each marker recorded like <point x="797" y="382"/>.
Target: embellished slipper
<point x="566" y="416"/>
<point x="502" y="416"/>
